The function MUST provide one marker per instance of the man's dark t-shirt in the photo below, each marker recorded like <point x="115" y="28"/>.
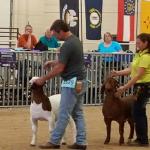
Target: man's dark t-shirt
<point x="71" y="54"/>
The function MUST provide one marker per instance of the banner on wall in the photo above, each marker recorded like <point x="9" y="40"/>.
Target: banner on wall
<point x="126" y="20"/>
<point x="93" y="11"/>
<point x="145" y="16"/>
<point x="69" y="12"/>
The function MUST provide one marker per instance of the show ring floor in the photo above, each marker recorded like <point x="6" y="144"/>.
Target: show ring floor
<point x="15" y="130"/>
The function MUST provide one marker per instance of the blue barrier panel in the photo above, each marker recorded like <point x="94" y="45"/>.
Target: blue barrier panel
<point x="7" y="57"/>
<point x="87" y="60"/>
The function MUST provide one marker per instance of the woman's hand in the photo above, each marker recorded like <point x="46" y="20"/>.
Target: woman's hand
<point x="114" y="73"/>
<point x="121" y="89"/>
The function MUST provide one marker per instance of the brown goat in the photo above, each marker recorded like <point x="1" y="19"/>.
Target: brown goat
<point x="117" y="109"/>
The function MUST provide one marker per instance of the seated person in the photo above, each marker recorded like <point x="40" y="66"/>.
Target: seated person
<point x="27" y="40"/>
<point x="49" y="40"/>
<point x="109" y="46"/>
<point x="110" y="62"/>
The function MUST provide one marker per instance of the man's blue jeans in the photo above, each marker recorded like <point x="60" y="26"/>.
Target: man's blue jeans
<point x="71" y="104"/>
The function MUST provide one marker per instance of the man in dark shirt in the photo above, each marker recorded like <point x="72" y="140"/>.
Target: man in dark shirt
<point x="70" y="65"/>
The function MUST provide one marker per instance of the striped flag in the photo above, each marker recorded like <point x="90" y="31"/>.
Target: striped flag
<point x="145" y="16"/>
<point x="126" y="20"/>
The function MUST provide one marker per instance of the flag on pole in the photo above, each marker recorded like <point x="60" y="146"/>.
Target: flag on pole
<point x="69" y="12"/>
<point x="145" y="16"/>
<point x="126" y="20"/>
<point x="93" y="10"/>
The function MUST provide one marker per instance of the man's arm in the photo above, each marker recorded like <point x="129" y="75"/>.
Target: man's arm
<point x="50" y="64"/>
<point x="57" y="69"/>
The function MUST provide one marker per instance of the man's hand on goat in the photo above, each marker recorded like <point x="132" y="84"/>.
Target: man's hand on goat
<point x="40" y="81"/>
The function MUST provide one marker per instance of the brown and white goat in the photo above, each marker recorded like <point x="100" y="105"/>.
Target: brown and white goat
<point x="45" y="108"/>
<point x="117" y="109"/>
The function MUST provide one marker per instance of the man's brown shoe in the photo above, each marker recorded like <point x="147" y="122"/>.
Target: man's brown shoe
<point x="76" y="146"/>
<point x="49" y="145"/>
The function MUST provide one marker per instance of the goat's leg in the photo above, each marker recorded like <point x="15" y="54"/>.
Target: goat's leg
<point x="73" y="128"/>
<point x="64" y="138"/>
<point x="34" y="124"/>
<point x="121" y="131"/>
<point x="108" y="128"/>
<point x="51" y="123"/>
<point x="131" y="123"/>
<point x="71" y="123"/>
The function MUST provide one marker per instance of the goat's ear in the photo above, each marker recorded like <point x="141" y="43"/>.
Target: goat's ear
<point x="46" y="105"/>
<point x="103" y="88"/>
<point x="33" y="85"/>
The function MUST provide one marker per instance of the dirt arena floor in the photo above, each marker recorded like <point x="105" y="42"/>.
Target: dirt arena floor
<point x="15" y="130"/>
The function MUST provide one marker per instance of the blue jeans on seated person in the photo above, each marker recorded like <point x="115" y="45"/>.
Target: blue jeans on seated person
<point x="71" y="104"/>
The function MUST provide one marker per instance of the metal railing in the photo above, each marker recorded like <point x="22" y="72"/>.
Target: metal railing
<point x="8" y="37"/>
<point x="98" y="68"/>
<point x="17" y="68"/>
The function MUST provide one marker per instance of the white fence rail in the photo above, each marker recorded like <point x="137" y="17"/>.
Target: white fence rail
<point x="17" y="68"/>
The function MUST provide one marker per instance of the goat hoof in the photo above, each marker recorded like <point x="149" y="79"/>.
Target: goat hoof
<point x="64" y="143"/>
<point x="32" y="145"/>
<point x="121" y="143"/>
<point x="106" y="142"/>
<point x="129" y="141"/>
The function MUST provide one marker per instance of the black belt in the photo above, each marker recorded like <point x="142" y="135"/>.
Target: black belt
<point x="142" y="88"/>
<point x="143" y="84"/>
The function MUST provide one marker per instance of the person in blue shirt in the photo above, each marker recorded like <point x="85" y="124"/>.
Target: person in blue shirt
<point x="109" y="61"/>
<point x="49" y="40"/>
<point x="109" y="46"/>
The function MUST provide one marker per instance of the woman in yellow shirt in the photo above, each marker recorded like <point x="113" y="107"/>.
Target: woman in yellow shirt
<point x="140" y="78"/>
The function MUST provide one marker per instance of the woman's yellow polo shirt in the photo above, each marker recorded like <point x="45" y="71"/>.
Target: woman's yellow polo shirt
<point x="141" y="59"/>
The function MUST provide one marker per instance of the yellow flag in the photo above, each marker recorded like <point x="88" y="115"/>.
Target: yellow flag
<point x="145" y="16"/>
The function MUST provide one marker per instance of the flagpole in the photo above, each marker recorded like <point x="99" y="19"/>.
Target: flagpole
<point x="81" y="38"/>
<point x="137" y="18"/>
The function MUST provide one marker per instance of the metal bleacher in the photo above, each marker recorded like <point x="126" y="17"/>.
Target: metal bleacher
<point x="8" y="37"/>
